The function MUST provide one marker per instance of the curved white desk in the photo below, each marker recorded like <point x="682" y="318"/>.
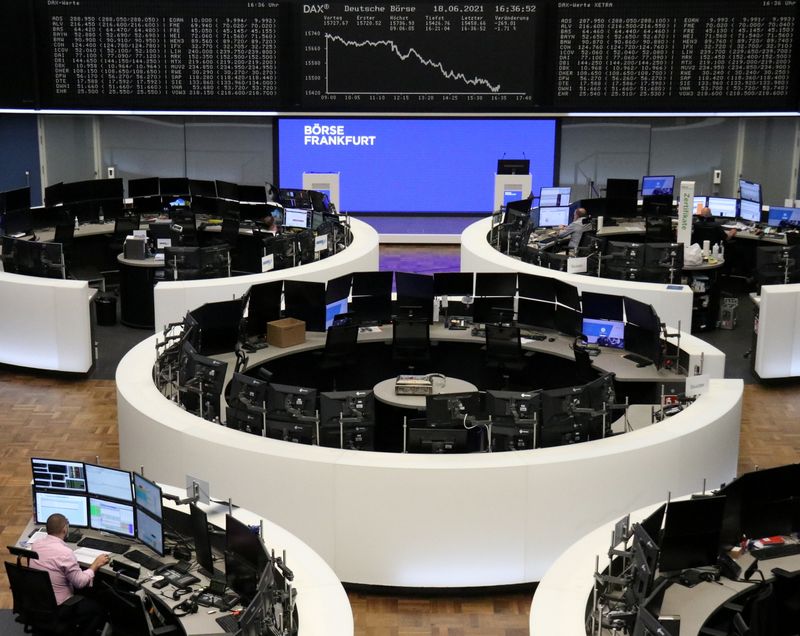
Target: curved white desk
<point x="322" y="604"/>
<point x="673" y="303"/>
<point x="174" y="298"/>
<point x="46" y="323"/>
<point x="422" y="520"/>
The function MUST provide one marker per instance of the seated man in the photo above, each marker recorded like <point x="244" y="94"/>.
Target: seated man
<point x="575" y="230"/>
<point x="56" y="558"/>
<point x="706" y="228"/>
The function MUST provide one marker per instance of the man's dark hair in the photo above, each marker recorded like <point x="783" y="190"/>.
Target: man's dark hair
<point x="56" y="522"/>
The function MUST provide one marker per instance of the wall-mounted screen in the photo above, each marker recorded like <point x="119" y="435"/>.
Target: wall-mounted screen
<point x="414" y="165"/>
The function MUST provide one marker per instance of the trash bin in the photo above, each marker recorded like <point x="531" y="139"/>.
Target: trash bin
<point x="106" y="308"/>
<point x="727" y="311"/>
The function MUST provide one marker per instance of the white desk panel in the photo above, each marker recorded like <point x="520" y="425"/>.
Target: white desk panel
<point x="778" y="343"/>
<point x="174" y="298"/>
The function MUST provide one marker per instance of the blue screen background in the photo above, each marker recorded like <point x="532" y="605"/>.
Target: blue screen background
<point x="418" y="165"/>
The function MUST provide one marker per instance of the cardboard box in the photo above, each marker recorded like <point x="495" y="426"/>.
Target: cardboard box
<point x="286" y="332"/>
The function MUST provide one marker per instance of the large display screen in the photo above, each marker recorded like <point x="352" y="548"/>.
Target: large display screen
<point x="414" y="165"/>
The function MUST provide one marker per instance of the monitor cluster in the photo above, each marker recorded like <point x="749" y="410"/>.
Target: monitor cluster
<point x="33" y="258"/>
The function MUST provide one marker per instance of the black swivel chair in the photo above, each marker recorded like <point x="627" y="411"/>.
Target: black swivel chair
<point x="504" y="351"/>
<point x="411" y="341"/>
<point x="35" y="602"/>
<point x="340" y="351"/>
<point x="130" y="615"/>
<point x="583" y="362"/>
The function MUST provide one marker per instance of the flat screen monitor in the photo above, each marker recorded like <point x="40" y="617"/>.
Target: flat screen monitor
<point x="288" y="402"/>
<point x="640" y="313"/>
<point x="664" y="256"/>
<point x="372" y="283"/>
<point x="58" y="474"/>
<point x="536" y="313"/>
<point x="655" y="186"/>
<point x="567" y="295"/>
<point x="625" y="254"/>
<point x="295" y="217"/>
<point x="722" y="207"/>
<point x="652" y="523"/>
<point x="453" y="283"/>
<point x="217" y="326"/>
<point x="333" y="309"/>
<point x="111" y="516"/>
<point x="750" y="191"/>
<point x="536" y="287"/>
<point x="227" y="190"/>
<point x="202" y="188"/>
<point x="495" y="284"/>
<point x="554" y="197"/>
<point x="245" y="557"/>
<point x="73" y="507"/>
<point x="519" y="208"/>
<point x="750" y="211"/>
<point x="514" y="418"/>
<point x="450" y="409"/>
<point x="568" y="321"/>
<point x="602" y="306"/>
<point x="146" y="187"/>
<point x="691" y="537"/>
<point x="778" y="215"/>
<point x="338" y="288"/>
<point x="247" y="391"/>
<point x="54" y="194"/>
<point x="174" y="186"/>
<point x="305" y="301"/>
<point x="356" y="410"/>
<point x="513" y="166"/>
<point x="558" y="423"/>
<point x="414" y="294"/>
<point x="19" y="199"/>
<point x="147" y="495"/>
<point x="150" y="531"/>
<point x="644" y="342"/>
<point x="113" y="483"/>
<point x="202" y="370"/>
<point x="553" y="217"/>
<point x="263" y="306"/>
<point x="511" y="196"/>
<point x="252" y="193"/>
<point x="622" y="189"/>
<point x="605" y="333"/>
<point x="437" y="440"/>
<point x="699" y="202"/>
<point x="202" y="540"/>
<point x="493" y="309"/>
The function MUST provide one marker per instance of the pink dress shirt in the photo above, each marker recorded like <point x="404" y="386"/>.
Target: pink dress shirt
<point x="60" y="563"/>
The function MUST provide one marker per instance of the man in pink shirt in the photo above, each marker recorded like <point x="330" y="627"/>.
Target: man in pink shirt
<point x="66" y="575"/>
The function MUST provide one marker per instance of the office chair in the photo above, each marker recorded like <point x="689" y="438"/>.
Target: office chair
<point x="35" y="603"/>
<point x="340" y="351"/>
<point x="411" y="341"/>
<point x="504" y="351"/>
<point x="583" y="362"/>
<point x="65" y="234"/>
<point x="229" y="233"/>
<point x="130" y="615"/>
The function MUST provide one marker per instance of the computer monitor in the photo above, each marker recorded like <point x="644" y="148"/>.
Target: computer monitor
<point x="663" y="256"/>
<point x="653" y="522"/>
<point x="644" y="342"/>
<point x="515" y="416"/>
<point x="750" y="191"/>
<point x="535" y="313"/>
<point x="202" y="188"/>
<point x="58" y="474"/>
<point x="146" y="187"/>
<point x="626" y="254"/>
<point x="602" y="306"/>
<point x="723" y="207"/>
<point x="691" y="536"/>
<point x="111" y="516"/>
<point x="204" y="373"/>
<point x="149" y="531"/>
<point x="451" y="409"/>
<point x="263" y="306"/>
<point x="202" y="540"/>
<point x="437" y="440"/>
<point x="147" y="495"/>
<point x="598" y="395"/>
<point x="568" y="321"/>
<point x="347" y="419"/>
<point x="289" y="403"/>
<point x="305" y="300"/>
<point x="252" y="193"/>
<point x="245" y="557"/>
<point x="553" y="217"/>
<point x="246" y="392"/>
<point x="605" y="333"/>
<point x="113" y="483"/>
<point x="453" y="283"/>
<point x="414" y="294"/>
<point x="217" y="326"/>
<point x="777" y="263"/>
<point x="495" y="284"/>
<point x="554" y="197"/>
<point x="750" y="211"/>
<point x="73" y="507"/>
<point x="778" y="216"/>
<point x="639" y="313"/>
<point x="699" y="202"/>
<point x="19" y="199"/>
<point x="536" y="287"/>
<point x="174" y="186"/>
<point x="295" y="217"/>
<point x="622" y="188"/>
<point x="655" y="186"/>
<point x="517" y="209"/>
<point x="558" y="423"/>
<point x="493" y="309"/>
<point x="245" y="419"/>
<point x="513" y="166"/>
<point x="333" y="309"/>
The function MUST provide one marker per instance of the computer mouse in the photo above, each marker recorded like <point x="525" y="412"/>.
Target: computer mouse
<point x="551" y="339"/>
<point x="156" y="577"/>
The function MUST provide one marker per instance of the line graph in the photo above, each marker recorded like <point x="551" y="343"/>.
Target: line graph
<point x="412" y="53"/>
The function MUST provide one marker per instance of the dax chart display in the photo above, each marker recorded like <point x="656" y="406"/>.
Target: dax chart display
<point x="420" y="56"/>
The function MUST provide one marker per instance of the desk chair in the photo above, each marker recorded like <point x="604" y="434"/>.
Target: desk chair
<point x="35" y="603"/>
<point x="130" y="616"/>
<point x="583" y="363"/>
<point x="340" y="351"/>
<point x="504" y="351"/>
<point x="411" y="341"/>
<point x="65" y="234"/>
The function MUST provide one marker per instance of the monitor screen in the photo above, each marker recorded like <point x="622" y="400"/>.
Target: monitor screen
<point x="147" y="495"/>
<point x="451" y="409"/>
<point x="202" y="540"/>
<point x="699" y="202"/>
<point x="111" y="516"/>
<point x="691" y="536"/>
<point x="305" y="300"/>
<point x="57" y="474"/>
<point x="602" y="306"/>
<point x="150" y="531"/>
<point x="536" y="287"/>
<point x="495" y="284"/>
<point x="779" y="215"/>
<point x="438" y="440"/>
<point x="554" y="197"/>
<point x="294" y="217"/>
<point x="416" y="164"/>
<point x="536" y="313"/>
<point x="622" y="188"/>
<point x="334" y="309"/>
<point x="750" y="191"/>
<point x="606" y="333"/>
<point x="722" y="207"/>
<point x="654" y="186"/>
<point x="453" y="283"/>
<point x="263" y="306"/>
<point x="338" y="288"/>
<point x="73" y="507"/>
<point x="290" y="402"/>
<point x="245" y="557"/>
<point x="750" y="211"/>
<point x="347" y="419"/>
<point x="552" y="217"/>
<point x="103" y="481"/>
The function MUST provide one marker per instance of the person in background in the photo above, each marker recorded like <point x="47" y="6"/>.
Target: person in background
<point x="710" y="229"/>
<point x="575" y="229"/>
<point x="267" y="224"/>
<point x="66" y="576"/>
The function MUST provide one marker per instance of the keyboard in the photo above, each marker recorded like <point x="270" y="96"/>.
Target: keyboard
<point x="145" y="560"/>
<point x="105" y="546"/>
<point x="229" y="623"/>
<point x="533" y="335"/>
<point x="640" y="360"/>
<point x="775" y="551"/>
<point x="179" y="579"/>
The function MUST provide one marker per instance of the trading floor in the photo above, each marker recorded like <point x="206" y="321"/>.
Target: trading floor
<point x="57" y="417"/>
